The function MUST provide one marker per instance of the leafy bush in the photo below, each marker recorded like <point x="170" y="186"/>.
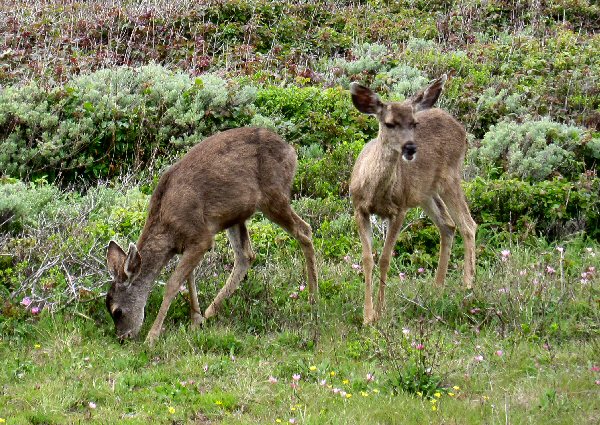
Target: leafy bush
<point x="22" y="204"/>
<point x="553" y="208"/>
<point x="533" y="150"/>
<point x="99" y="124"/>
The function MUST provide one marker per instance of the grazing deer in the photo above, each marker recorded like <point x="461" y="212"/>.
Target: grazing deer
<point x="217" y="185"/>
<point x="416" y="160"/>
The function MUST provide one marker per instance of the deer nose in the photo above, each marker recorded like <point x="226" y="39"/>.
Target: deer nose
<point x="409" y="151"/>
<point x="124" y="337"/>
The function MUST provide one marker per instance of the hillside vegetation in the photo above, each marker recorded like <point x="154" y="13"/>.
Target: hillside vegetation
<point x="98" y="97"/>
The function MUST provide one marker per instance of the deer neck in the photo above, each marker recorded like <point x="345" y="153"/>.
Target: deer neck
<point x="385" y="166"/>
<point x="155" y="255"/>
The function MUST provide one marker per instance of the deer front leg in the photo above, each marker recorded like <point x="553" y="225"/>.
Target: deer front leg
<point x="366" y="238"/>
<point x="395" y="224"/>
<point x="190" y="259"/>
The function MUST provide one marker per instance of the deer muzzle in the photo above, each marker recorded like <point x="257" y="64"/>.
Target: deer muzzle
<point x="409" y="151"/>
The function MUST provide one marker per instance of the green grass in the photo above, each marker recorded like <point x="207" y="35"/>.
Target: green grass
<point x="219" y="374"/>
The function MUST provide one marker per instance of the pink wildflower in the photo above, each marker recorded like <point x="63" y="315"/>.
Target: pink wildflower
<point x="356" y="266"/>
<point x="420" y="346"/>
<point x="560" y="249"/>
<point x="26" y="301"/>
<point x="336" y="390"/>
<point x="92" y="405"/>
<point x="347" y="258"/>
<point x="35" y="310"/>
<point x="421" y="270"/>
<point x="522" y="272"/>
<point x="292" y="420"/>
<point x="597" y="381"/>
<point x="499" y="353"/>
<point x="591" y="269"/>
<point x="402" y="276"/>
<point x="272" y="380"/>
<point x="205" y="368"/>
<point x="323" y="382"/>
<point x="301" y="288"/>
<point x="595" y="368"/>
<point x="505" y="254"/>
<point x="479" y="358"/>
<point x="294" y="295"/>
<point x="550" y="270"/>
<point x="370" y="377"/>
<point x="296" y="376"/>
<point x="405" y="331"/>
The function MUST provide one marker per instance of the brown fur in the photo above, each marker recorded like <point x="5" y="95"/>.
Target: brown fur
<point x="386" y="182"/>
<point x="217" y="185"/>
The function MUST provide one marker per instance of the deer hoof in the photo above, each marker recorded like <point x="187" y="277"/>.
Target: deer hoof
<point x="151" y="338"/>
<point x="370" y="318"/>
<point x="197" y="320"/>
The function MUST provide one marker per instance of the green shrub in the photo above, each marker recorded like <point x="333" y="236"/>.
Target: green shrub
<point x="533" y="150"/>
<point x="99" y="124"/>
<point x="553" y="208"/>
<point x="21" y="204"/>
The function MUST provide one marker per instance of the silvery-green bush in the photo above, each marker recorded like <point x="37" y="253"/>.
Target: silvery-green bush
<point x="532" y="150"/>
<point x="21" y="204"/>
<point x="100" y="123"/>
<point x="402" y="80"/>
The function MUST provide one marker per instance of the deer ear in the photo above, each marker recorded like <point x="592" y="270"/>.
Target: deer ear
<point x="365" y="99"/>
<point x="115" y="257"/>
<point x="133" y="262"/>
<point x="425" y="99"/>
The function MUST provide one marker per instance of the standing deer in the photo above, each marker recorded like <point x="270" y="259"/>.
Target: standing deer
<point x="217" y="185"/>
<point x="416" y="160"/>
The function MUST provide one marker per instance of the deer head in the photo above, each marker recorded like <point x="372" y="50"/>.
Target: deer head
<point x="397" y="120"/>
<point x="125" y="299"/>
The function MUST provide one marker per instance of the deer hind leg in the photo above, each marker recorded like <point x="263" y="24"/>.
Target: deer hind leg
<point x="282" y="214"/>
<point x="244" y="257"/>
<point x="365" y="233"/>
<point x="195" y="313"/>
<point x="437" y="211"/>
<point x="395" y="224"/>
<point x="188" y="262"/>
<point x="459" y="210"/>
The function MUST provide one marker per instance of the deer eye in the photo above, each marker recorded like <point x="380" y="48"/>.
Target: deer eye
<point x="413" y="125"/>
<point x="390" y="125"/>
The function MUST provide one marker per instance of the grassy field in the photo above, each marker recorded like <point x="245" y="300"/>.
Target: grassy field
<point x="522" y="348"/>
<point x="98" y="97"/>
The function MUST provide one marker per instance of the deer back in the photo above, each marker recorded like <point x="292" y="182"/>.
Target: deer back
<point x="221" y="181"/>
